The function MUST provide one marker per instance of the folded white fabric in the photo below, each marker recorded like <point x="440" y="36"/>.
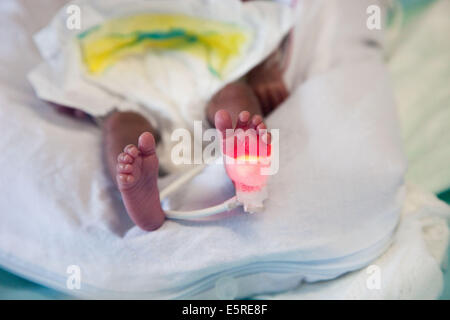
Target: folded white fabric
<point x="333" y="206"/>
<point x="410" y="269"/>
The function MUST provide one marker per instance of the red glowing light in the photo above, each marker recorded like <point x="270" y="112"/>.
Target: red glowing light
<point x="246" y="154"/>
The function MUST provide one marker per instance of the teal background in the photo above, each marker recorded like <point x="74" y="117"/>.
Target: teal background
<point x="445" y="196"/>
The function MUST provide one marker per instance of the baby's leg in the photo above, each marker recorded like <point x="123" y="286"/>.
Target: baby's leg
<point x="134" y="168"/>
<point x="266" y="81"/>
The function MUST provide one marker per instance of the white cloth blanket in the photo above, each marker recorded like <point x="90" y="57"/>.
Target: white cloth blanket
<point x="333" y="205"/>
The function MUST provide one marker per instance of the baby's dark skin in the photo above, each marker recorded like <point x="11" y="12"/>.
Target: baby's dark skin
<point x="130" y="140"/>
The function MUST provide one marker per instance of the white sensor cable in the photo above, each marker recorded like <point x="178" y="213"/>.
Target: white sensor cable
<point x="194" y="214"/>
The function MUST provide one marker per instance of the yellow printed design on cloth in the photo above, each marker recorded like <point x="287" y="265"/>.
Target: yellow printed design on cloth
<point x="216" y="43"/>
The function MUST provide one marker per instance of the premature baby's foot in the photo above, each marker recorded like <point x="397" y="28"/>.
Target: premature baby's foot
<point x="137" y="173"/>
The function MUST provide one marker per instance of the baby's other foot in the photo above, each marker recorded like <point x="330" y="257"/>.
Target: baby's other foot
<point x="268" y="85"/>
<point x="137" y="173"/>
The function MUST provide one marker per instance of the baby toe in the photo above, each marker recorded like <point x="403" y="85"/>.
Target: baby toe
<point x="147" y="144"/>
<point x="131" y="150"/>
<point x="243" y="119"/>
<point x="256" y="120"/>
<point x="261" y="126"/>
<point x="124" y="168"/>
<point x="124" y="158"/>
<point x="266" y="137"/>
<point x="124" y="179"/>
<point x="222" y="121"/>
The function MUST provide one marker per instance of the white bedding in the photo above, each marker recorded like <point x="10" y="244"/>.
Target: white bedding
<point x="333" y="205"/>
<point x="410" y="269"/>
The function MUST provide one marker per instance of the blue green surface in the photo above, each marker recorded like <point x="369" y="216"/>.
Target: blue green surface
<point x="13" y="287"/>
<point x="445" y="196"/>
